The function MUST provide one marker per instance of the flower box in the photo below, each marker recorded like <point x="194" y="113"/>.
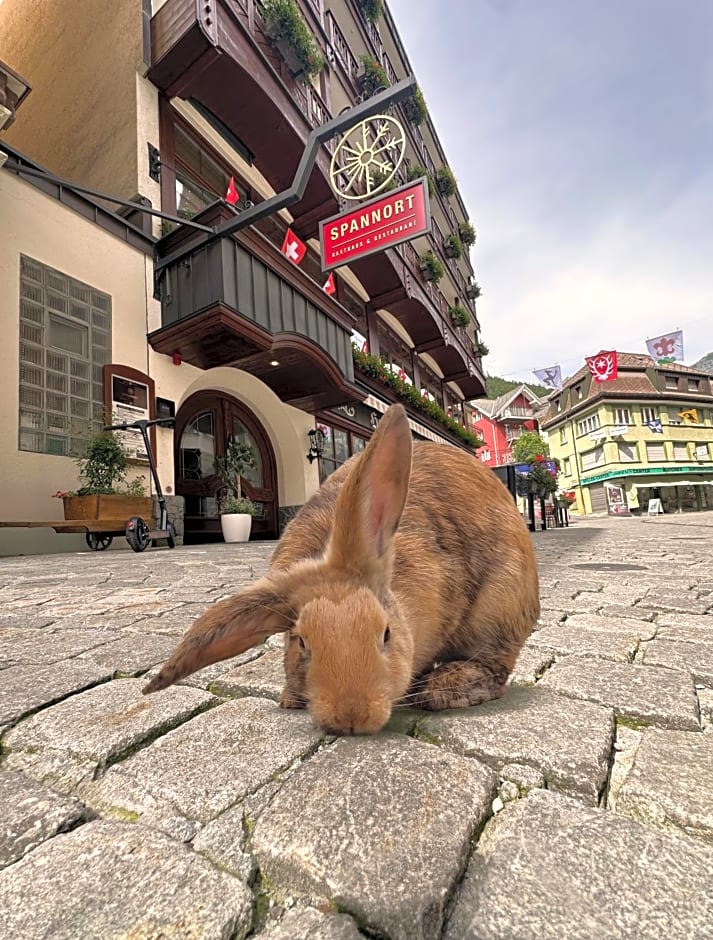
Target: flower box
<point x="108" y="506"/>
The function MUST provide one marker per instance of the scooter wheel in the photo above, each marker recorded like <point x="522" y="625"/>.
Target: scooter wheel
<point x="137" y="534"/>
<point x="98" y="541"/>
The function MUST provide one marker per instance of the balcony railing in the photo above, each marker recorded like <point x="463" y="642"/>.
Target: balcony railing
<point x="518" y="413"/>
<point x="341" y="48"/>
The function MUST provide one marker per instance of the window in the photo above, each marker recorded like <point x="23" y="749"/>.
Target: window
<point x="671" y="381"/>
<point x="628" y="453"/>
<point x="622" y="416"/>
<point x="593" y="458"/>
<point x="655" y="453"/>
<point x="648" y="414"/>
<point x="567" y="466"/>
<point x="588" y="424"/>
<point x="484" y="455"/>
<point x="339" y="445"/>
<point x="674" y="417"/>
<point x="578" y="392"/>
<point x="563" y="435"/>
<point x="694" y="385"/>
<point x="701" y="452"/>
<point x="65" y="340"/>
<point x="680" y="451"/>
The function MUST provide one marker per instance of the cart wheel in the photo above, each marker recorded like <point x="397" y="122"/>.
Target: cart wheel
<point x="137" y="534"/>
<point x="98" y="541"/>
<point x="171" y="539"/>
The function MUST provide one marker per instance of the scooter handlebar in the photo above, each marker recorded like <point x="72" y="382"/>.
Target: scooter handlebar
<point x="137" y="425"/>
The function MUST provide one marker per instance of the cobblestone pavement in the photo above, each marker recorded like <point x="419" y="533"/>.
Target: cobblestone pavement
<point x="578" y="806"/>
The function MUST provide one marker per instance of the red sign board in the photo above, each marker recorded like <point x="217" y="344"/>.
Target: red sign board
<point x="398" y="217"/>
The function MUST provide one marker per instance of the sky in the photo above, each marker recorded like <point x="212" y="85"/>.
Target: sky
<point x="581" y="134"/>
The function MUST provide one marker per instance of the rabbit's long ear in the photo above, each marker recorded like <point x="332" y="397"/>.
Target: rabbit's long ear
<point x="371" y="501"/>
<point x="228" y="628"/>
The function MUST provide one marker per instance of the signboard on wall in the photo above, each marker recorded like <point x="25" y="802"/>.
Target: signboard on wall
<point x="398" y="217"/>
<point x="129" y="396"/>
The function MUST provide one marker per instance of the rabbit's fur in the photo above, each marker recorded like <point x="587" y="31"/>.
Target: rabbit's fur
<point x="409" y="577"/>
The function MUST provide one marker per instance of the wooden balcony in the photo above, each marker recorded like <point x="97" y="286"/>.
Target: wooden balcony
<point x="217" y="53"/>
<point x="238" y="301"/>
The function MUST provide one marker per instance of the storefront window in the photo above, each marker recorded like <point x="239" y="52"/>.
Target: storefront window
<point x="339" y="446"/>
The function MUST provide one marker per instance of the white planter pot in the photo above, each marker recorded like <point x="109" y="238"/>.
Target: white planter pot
<point x="236" y="526"/>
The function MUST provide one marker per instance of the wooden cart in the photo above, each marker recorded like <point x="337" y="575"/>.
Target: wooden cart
<point x="98" y="533"/>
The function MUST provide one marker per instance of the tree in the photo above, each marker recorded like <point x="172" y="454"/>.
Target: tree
<point x="528" y="446"/>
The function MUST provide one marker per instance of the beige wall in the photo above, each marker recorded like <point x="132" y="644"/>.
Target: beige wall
<point x="86" y="117"/>
<point x="36" y="225"/>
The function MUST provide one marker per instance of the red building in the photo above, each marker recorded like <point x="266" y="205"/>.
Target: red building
<point x="499" y="421"/>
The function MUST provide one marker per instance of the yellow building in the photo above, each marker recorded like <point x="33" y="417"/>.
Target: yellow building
<point x="646" y="435"/>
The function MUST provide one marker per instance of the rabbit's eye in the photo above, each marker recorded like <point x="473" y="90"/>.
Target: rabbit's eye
<point x="303" y="645"/>
<point x="387" y="636"/>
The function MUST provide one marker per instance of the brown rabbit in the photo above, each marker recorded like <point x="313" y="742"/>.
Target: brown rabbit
<point x="409" y="577"/>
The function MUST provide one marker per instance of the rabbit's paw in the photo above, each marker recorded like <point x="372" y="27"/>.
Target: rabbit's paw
<point x="291" y="699"/>
<point x="459" y="684"/>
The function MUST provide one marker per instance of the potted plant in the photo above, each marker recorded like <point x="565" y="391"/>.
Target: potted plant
<point x="101" y="469"/>
<point x="453" y="246"/>
<point x="292" y="37"/>
<point x="446" y="181"/>
<point x="467" y="234"/>
<point x="473" y="291"/>
<point x="431" y="267"/>
<point x="415" y="109"/>
<point x="371" y="9"/>
<point x="374" y="78"/>
<point x="236" y="510"/>
<point x="481" y="349"/>
<point x="416" y="172"/>
<point x="459" y="315"/>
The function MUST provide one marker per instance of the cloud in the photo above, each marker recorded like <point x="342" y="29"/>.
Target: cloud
<point x="581" y="137"/>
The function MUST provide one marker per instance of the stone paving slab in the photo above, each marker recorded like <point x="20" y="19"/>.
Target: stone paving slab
<point x="569" y="742"/>
<point x="671" y="782"/>
<point x="127" y="657"/>
<point x="550" y="868"/>
<point x="263" y="677"/>
<point x="50" y="645"/>
<point x="589" y="635"/>
<point x="697" y="628"/>
<point x="30" y="814"/>
<point x="67" y="743"/>
<point x="378" y="826"/>
<point x="696" y="658"/>
<point x="686" y="603"/>
<point x="110" y="879"/>
<point x="531" y="665"/>
<point x="310" y="924"/>
<point x="621" y="611"/>
<point x="192" y="774"/>
<point x="24" y="689"/>
<point x="652" y="695"/>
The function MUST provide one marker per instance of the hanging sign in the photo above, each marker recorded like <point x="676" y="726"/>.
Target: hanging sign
<point x="382" y="223"/>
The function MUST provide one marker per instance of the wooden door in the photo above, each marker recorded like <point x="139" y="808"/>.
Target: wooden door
<point x="204" y="425"/>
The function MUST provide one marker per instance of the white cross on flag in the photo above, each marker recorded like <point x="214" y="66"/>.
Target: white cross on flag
<point x="293" y="248"/>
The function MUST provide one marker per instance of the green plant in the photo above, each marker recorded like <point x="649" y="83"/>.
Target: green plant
<point x="481" y="349"/>
<point x="446" y="181"/>
<point x="467" y="233"/>
<point x="417" y="172"/>
<point x="379" y="178"/>
<point x="473" y="290"/>
<point x="102" y="465"/>
<point x="167" y="226"/>
<point x="453" y="246"/>
<point x="374" y="78"/>
<point x="284" y="22"/>
<point x="372" y="9"/>
<point x="528" y="446"/>
<point x="415" y="108"/>
<point x="431" y="267"/>
<point x="238" y="458"/>
<point x="136" y="487"/>
<point x="375" y="368"/>
<point x="230" y="505"/>
<point x="459" y="315"/>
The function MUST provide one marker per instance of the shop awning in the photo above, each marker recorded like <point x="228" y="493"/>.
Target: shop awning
<point x="655" y="485"/>
<point x="382" y="406"/>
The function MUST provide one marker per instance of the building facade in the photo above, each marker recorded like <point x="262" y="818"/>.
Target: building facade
<point x="646" y="435"/>
<point x="500" y="421"/>
<point x="162" y="104"/>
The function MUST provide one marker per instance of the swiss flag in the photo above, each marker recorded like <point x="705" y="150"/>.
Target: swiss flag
<point x="232" y="196"/>
<point x="604" y="366"/>
<point x="329" y="286"/>
<point x="293" y="248"/>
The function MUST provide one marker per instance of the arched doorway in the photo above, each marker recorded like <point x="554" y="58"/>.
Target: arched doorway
<point x="205" y="422"/>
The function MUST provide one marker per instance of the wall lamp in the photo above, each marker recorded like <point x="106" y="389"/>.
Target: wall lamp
<point x="316" y="444"/>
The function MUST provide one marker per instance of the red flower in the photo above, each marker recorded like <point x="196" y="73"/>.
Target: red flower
<point x="539" y="458"/>
<point x="60" y="494"/>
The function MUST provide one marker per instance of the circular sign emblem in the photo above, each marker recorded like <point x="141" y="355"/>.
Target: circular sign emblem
<point x="367" y="157"/>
